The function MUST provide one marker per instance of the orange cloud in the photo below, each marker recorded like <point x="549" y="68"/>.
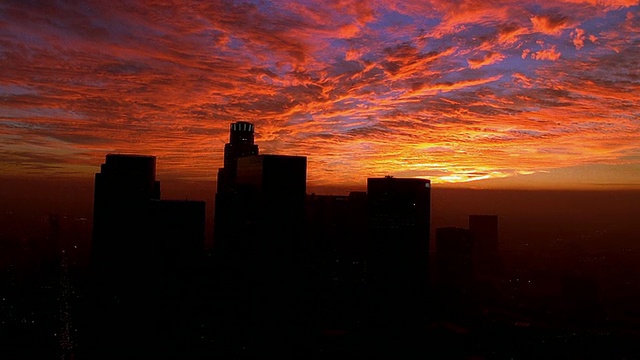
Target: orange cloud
<point x="487" y="59"/>
<point x="361" y="88"/>
<point x="546" y="54"/>
<point x="578" y="38"/>
<point x="550" y="24"/>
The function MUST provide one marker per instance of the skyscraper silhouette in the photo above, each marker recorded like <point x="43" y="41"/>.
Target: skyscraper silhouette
<point x="123" y="188"/>
<point x="241" y="143"/>
<point x="140" y="245"/>
<point x="267" y="244"/>
<point x="399" y="224"/>
<point x="399" y="212"/>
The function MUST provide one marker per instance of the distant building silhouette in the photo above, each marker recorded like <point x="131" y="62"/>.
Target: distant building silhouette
<point x="399" y="214"/>
<point x="261" y="240"/>
<point x="178" y="227"/>
<point x="140" y="245"/>
<point x="241" y="143"/>
<point x="123" y="189"/>
<point x="134" y="231"/>
<point x="337" y="229"/>
<point x="299" y="271"/>
<point x="399" y="218"/>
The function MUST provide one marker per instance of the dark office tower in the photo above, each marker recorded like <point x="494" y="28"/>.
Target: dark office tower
<point x="121" y="253"/>
<point x="267" y="246"/>
<point x="272" y="203"/>
<point x="274" y="183"/>
<point x="141" y="246"/>
<point x="399" y="211"/>
<point x="178" y="228"/>
<point x="240" y="144"/>
<point x="399" y="221"/>
<point x="336" y="227"/>
<point x="123" y="188"/>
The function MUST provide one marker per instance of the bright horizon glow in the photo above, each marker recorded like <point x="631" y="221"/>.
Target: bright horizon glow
<point x="515" y="94"/>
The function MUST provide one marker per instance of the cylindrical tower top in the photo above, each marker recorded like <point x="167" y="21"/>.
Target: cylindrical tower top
<point x="241" y="132"/>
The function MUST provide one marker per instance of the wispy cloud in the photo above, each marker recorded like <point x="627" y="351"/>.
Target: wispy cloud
<point x="451" y="90"/>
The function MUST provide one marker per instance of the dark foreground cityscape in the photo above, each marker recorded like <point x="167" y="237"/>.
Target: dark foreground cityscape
<point x="293" y="274"/>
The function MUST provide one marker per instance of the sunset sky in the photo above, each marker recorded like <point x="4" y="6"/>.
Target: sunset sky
<point x="524" y="93"/>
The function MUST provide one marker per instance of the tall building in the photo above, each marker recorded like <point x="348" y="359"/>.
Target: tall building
<point x="337" y="230"/>
<point x="261" y="242"/>
<point x="134" y="231"/>
<point x="241" y="143"/>
<point x="142" y="246"/>
<point x="123" y="189"/>
<point x="399" y="221"/>
<point x="399" y="216"/>
<point x="268" y="198"/>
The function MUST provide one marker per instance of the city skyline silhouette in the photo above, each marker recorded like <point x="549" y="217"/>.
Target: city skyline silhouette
<point x="290" y="273"/>
<point x="312" y="179"/>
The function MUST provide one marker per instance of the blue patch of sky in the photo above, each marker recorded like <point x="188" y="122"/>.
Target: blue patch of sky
<point x="235" y="43"/>
<point x="340" y="66"/>
<point x="512" y="63"/>
<point x="391" y="18"/>
<point x="349" y="123"/>
<point x="393" y="28"/>
<point x="40" y="113"/>
<point x="23" y="125"/>
<point x="16" y="90"/>
<point x="265" y="6"/>
<point x="31" y="40"/>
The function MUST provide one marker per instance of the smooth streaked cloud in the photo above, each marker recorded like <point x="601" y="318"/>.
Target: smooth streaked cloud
<point x="449" y="90"/>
